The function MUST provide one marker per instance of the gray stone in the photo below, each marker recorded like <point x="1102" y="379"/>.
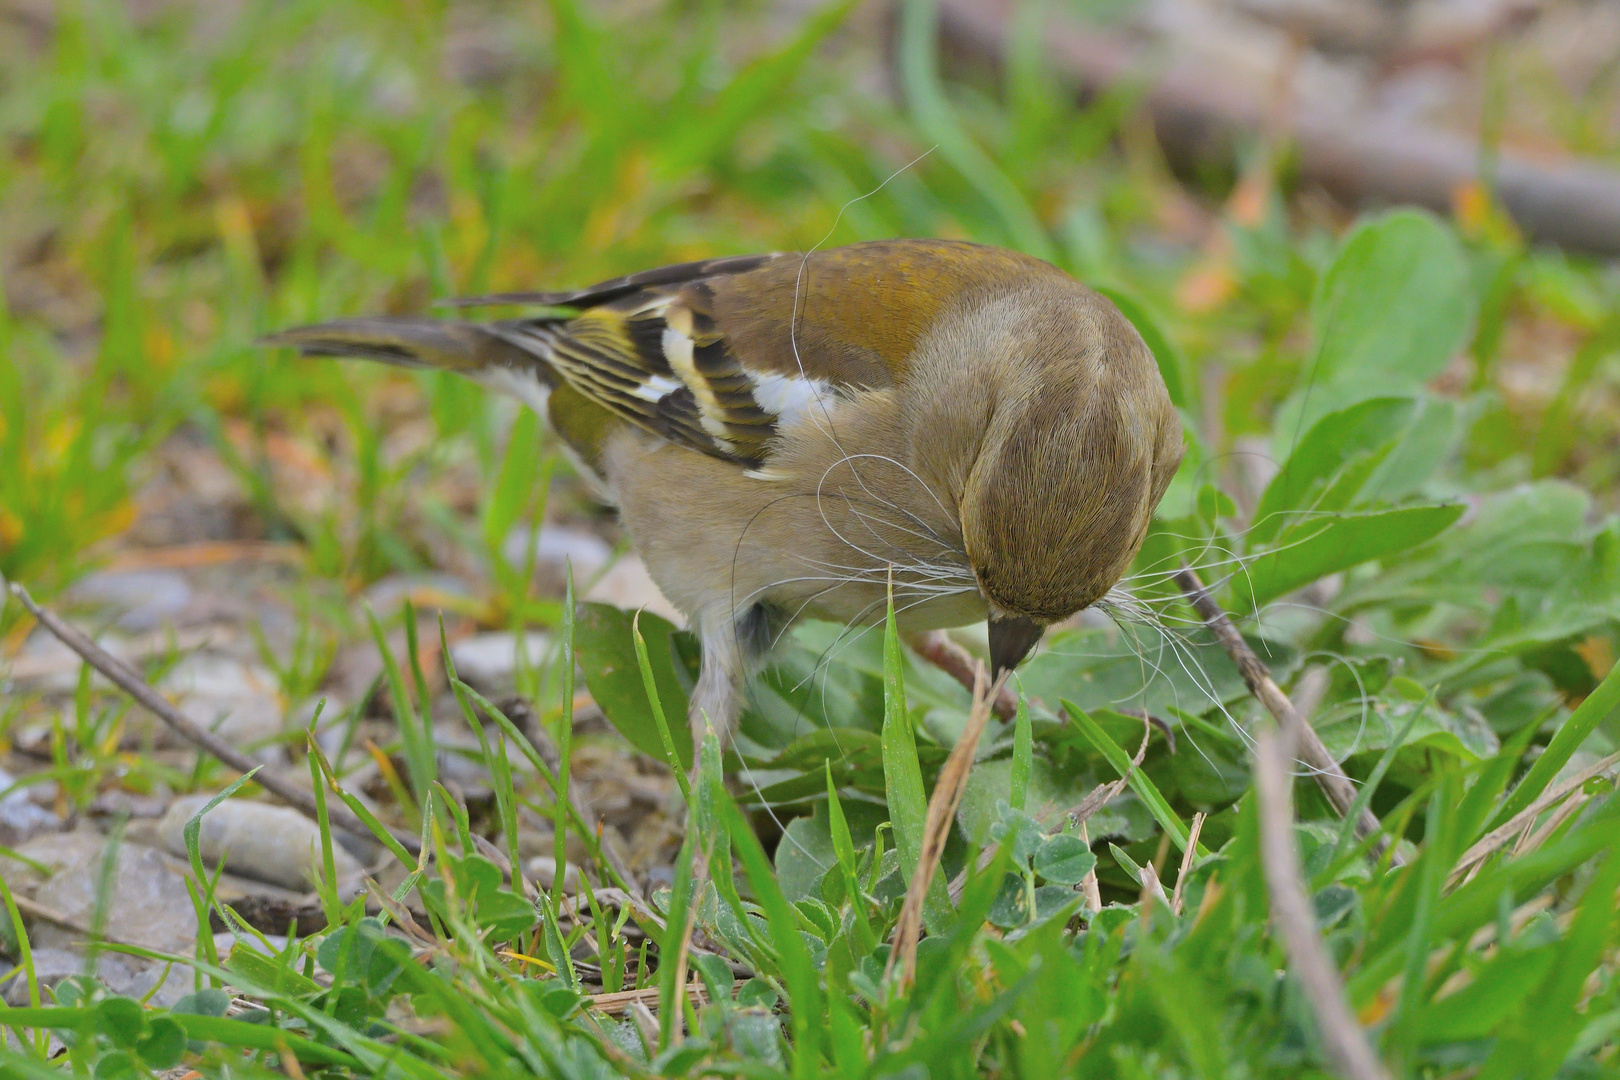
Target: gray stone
<point x="238" y="701"/>
<point x="489" y="662"/>
<point x="559" y="545"/>
<point x="51" y="966"/>
<point x="147" y="902"/>
<point x="21" y="818"/>
<point x="145" y="599"/>
<point x="542" y="869"/>
<point x="274" y="844"/>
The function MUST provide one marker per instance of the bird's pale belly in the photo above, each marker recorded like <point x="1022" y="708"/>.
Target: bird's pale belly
<point x="864" y="604"/>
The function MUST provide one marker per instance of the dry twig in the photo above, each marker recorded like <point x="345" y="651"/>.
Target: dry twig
<point x="623" y="1000"/>
<point x="1324" y="770"/>
<point x="937" y="826"/>
<point x="1187" y="857"/>
<point x="1497" y="837"/>
<point x="130" y="681"/>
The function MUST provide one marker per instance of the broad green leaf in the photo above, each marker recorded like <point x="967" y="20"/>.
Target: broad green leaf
<point x="1139" y="782"/>
<point x="1316" y="548"/>
<point x="607" y="654"/>
<point x="1023" y="756"/>
<point x="1142" y="667"/>
<point x="1064" y="860"/>
<point x="1326" y="448"/>
<point x="122" y="1020"/>
<point x="1394" y="307"/>
<point x="164" y="1045"/>
<point x="265" y="971"/>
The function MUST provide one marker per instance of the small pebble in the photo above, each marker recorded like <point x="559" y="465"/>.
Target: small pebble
<point x="273" y="844"/>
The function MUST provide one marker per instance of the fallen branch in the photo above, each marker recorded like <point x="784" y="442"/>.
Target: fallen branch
<point x="1199" y="114"/>
<point x="130" y="681"/>
<point x="1324" y="769"/>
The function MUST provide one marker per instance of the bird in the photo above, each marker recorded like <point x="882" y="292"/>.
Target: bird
<point x="962" y="432"/>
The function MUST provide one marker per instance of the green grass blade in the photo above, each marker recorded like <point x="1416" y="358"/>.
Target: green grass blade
<point x="366" y="817"/>
<point x="1023" y="758"/>
<point x="565" y="737"/>
<point x="936" y="117"/>
<point x="902" y="777"/>
<point x="664" y="735"/>
<point x="1591" y="712"/>
<point x="798" y="973"/>
<point x="25" y="959"/>
<point x="1431" y="877"/>
<point x="1547" y="1023"/>
<point x="418" y="757"/>
<point x="675" y="923"/>
<point x="327" y="886"/>
<point x="1144" y="787"/>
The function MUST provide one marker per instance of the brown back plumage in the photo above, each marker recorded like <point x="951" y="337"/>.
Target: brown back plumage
<point x="1025" y="402"/>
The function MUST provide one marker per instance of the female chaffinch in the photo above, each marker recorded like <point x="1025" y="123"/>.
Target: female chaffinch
<point x="785" y="435"/>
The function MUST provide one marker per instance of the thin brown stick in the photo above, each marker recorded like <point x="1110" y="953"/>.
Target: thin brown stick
<point x="1088" y="884"/>
<point x="1555" y="821"/>
<point x="1499" y="836"/>
<point x="942" y="806"/>
<point x="937" y="647"/>
<point x="1291" y="910"/>
<point x="1152" y="888"/>
<point x="1324" y="769"/>
<point x="130" y="681"/>
<point x="623" y="1000"/>
<point x="1103" y="794"/>
<point x="1187" y="857"/>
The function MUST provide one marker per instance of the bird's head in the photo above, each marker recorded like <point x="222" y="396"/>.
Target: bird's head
<point x="1057" y="437"/>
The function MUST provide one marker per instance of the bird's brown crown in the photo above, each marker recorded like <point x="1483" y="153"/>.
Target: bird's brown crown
<point x="1079" y="440"/>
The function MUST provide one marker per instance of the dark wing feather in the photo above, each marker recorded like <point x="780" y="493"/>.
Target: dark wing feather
<point x="655" y="358"/>
<point x="604" y="292"/>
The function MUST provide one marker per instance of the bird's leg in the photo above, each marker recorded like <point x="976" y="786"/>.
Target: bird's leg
<point x="731" y="643"/>
<point x="715" y="705"/>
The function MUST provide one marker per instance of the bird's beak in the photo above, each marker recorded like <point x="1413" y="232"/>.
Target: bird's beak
<point x="1011" y="639"/>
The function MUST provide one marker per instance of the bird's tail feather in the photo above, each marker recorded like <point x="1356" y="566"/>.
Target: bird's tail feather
<point x="424" y="343"/>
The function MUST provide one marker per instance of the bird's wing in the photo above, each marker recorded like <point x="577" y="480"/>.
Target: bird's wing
<point x="719" y="355"/>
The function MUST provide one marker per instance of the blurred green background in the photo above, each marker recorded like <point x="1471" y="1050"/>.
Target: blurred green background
<point x="179" y="178"/>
